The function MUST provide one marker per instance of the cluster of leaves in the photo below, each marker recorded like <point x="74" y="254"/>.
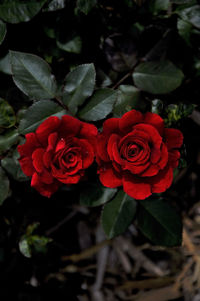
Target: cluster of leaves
<point x="99" y="73"/>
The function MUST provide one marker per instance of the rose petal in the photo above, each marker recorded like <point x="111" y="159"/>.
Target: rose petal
<point x="129" y="119"/>
<point x="27" y="166"/>
<point x="87" y="153"/>
<point x="46" y="177"/>
<point x="136" y="188"/>
<point x="155" y="139"/>
<point x="173" y="137"/>
<point x="102" y="153"/>
<point x="60" y="145"/>
<point x="52" y="140"/>
<point x="162" y="181"/>
<point x="154" y="120"/>
<point x="47" y="127"/>
<point x="42" y="188"/>
<point x="70" y="126"/>
<point x="47" y="159"/>
<point x="135" y="169"/>
<point x="113" y="150"/>
<point x="174" y="156"/>
<point x="37" y="158"/>
<point x="87" y="130"/>
<point x="29" y="146"/>
<point x="70" y="179"/>
<point x="111" y="125"/>
<point x="109" y="177"/>
<point x="152" y="170"/>
<point x="163" y="157"/>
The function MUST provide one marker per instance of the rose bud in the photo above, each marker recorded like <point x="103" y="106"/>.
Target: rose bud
<point x="137" y="152"/>
<point x="58" y="152"/>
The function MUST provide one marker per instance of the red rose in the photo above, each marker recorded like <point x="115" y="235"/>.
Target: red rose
<point x="58" y="152"/>
<point x="138" y="153"/>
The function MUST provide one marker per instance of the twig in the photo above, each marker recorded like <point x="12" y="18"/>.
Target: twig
<point x="61" y="223"/>
<point x="126" y="75"/>
<point x="101" y="261"/>
<point x="59" y="101"/>
<point x="150" y="54"/>
<point x="147" y="283"/>
<point x="138" y="256"/>
<point x="86" y="253"/>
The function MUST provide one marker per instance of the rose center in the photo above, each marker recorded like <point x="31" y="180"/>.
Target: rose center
<point x="132" y="150"/>
<point x="70" y="157"/>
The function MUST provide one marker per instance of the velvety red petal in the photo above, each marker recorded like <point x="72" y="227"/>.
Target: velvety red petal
<point x="135" y="168"/>
<point x="109" y="177"/>
<point x="52" y="141"/>
<point x="60" y="145"/>
<point x="29" y="146"/>
<point x="37" y="158"/>
<point x="174" y="156"/>
<point x="154" y="138"/>
<point x="87" y="153"/>
<point x="163" y="157"/>
<point x="173" y="138"/>
<point x="27" y="166"/>
<point x="102" y="153"/>
<point x="129" y="119"/>
<point x="162" y="181"/>
<point x="46" y="177"/>
<point x="154" y="120"/>
<point x="113" y="150"/>
<point x="151" y="171"/>
<point x="47" y="127"/>
<point x="42" y="188"/>
<point x="70" y="179"/>
<point x="111" y="125"/>
<point x="70" y="126"/>
<point x="135" y="187"/>
<point x="47" y="159"/>
<point x="87" y="130"/>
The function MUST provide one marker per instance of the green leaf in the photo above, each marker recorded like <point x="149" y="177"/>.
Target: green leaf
<point x="4" y="186"/>
<point x="159" y="5"/>
<point x="12" y="167"/>
<point x="24" y="247"/>
<point x="32" y="75"/>
<point x="184" y="30"/>
<point x="176" y="112"/>
<point x="39" y="243"/>
<point x="160" y="222"/>
<point x="157" y="77"/>
<point x="37" y="113"/>
<point x="79" y="86"/>
<point x="16" y="11"/>
<point x="86" y="5"/>
<point x="5" y="65"/>
<point x="8" y="139"/>
<point x="7" y="114"/>
<point x="94" y="194"/>
<point x="74" y="45"/>
<point x="30" y="243"/>
<point x="99" y="105"/>
<point x="3" y="31"/>
<point x="128" y="99"/>
<point x="55" y="5"/>
<point x="191" y="15"/>
<point x="118" y="214"/>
